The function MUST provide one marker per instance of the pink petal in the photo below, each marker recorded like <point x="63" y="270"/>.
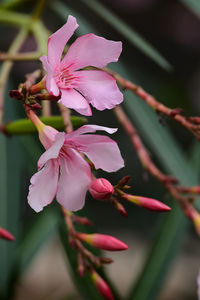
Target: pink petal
<point x="53" y="151"/>
<point x="91" y="50"/>
<point x="73" y="99"/>
<point x="58" y="40"/>
<point x="88" y="129"/>
<point x="101" y="150"/>
<point x="43" y="186"/>
<point x="74" y="181"/>
<point x="50" y="81"/>
<point x="100" y="89"/>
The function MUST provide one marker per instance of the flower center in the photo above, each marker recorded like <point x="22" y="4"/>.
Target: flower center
<point x="65" y="78"/>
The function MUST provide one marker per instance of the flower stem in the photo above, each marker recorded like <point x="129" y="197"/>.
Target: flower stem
<point x="7" y="65"/>
<point x="167" y="181"/>
<point x="39" y="9"/>
<point x="156" y="105"/>
<point x="20" y="56"/>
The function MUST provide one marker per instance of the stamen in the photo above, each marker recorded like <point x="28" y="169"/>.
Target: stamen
<point x="65" y="78"/>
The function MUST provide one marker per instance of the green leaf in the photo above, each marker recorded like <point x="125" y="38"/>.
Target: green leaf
<point x="13" y="18"/>
<point x="25" y="126"/>
<point x="4" y="245"/>
<point x="193" y="5"/>
<point x="41" y="227"/>
<point x="10" y="204"/>
<point x="131" y="35"/>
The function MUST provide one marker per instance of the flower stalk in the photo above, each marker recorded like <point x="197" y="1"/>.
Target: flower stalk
<point x="169" y="182"/>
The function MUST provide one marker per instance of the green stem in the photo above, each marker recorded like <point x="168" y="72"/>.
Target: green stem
<point x="41" y="35"/>
<point x="6" y="66"/>
<point x="12" y="4"/>
<point x="39" y="9"/>
<point x="20" y="56"/>
<point x="13" y="18"/>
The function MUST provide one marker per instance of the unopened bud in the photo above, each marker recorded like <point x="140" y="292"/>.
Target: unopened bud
<point x="123" y="181"/>
<point x="119" y="207"/>
<point x="82" y="220"/>
<point x="47" y="97"/>
<point x="147" y="203"/>
<point x="35" y="88"/>
<point x="102" y="241"/>
<point x="101" y="285"/>
<point x="101" y="189"/>
<point x="16" y="94"/>
<point x="4" y="234"/>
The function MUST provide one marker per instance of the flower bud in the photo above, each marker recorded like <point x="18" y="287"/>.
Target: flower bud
<point x="101" y="285"/>
<point x="101" y="189"/>
<point x="119" y="207"/>
<point x="102" y="241"/>
<point x="4" y="234"/>
<point x="147" y="203"/>
<point x="82" y="220"/>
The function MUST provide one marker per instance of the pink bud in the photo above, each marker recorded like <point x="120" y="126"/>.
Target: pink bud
<point x="102" y="241"/>
<point x="147" y="203"/>
<point x="4" y="234"/>
<point x="101" y="189"/>
<point x="101" y="285"/>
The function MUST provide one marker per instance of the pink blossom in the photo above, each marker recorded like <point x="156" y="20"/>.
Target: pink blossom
<point x="79" y="88"/>
<point x="63" y="172"/>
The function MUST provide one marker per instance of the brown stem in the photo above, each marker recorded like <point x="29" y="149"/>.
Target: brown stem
<point x="167" y="181"/>
<point x="189" y="189"/>
<point x="65" y="112"/>
<point x="156" y="105"/>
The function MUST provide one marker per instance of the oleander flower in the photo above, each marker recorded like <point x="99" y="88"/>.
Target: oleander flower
<point x="63" y="171"/>
<point x="79" y="88"/>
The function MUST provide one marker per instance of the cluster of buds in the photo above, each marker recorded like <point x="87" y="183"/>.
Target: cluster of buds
<point x="102" y="189"/>
<point x="29" y="93"/>
<point x="86" y="260"/>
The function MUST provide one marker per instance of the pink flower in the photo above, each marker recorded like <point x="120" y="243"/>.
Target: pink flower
<point x="78" y="87"/>
<point x="63" y="172"/>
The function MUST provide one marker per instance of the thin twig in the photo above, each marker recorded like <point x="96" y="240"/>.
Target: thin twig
<point x="65" y="112"/>
<point x="7" y="65"/>
<point x="34" y="55"/>
<point x="167" y="181"/>
<point x="156" y="105"/>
